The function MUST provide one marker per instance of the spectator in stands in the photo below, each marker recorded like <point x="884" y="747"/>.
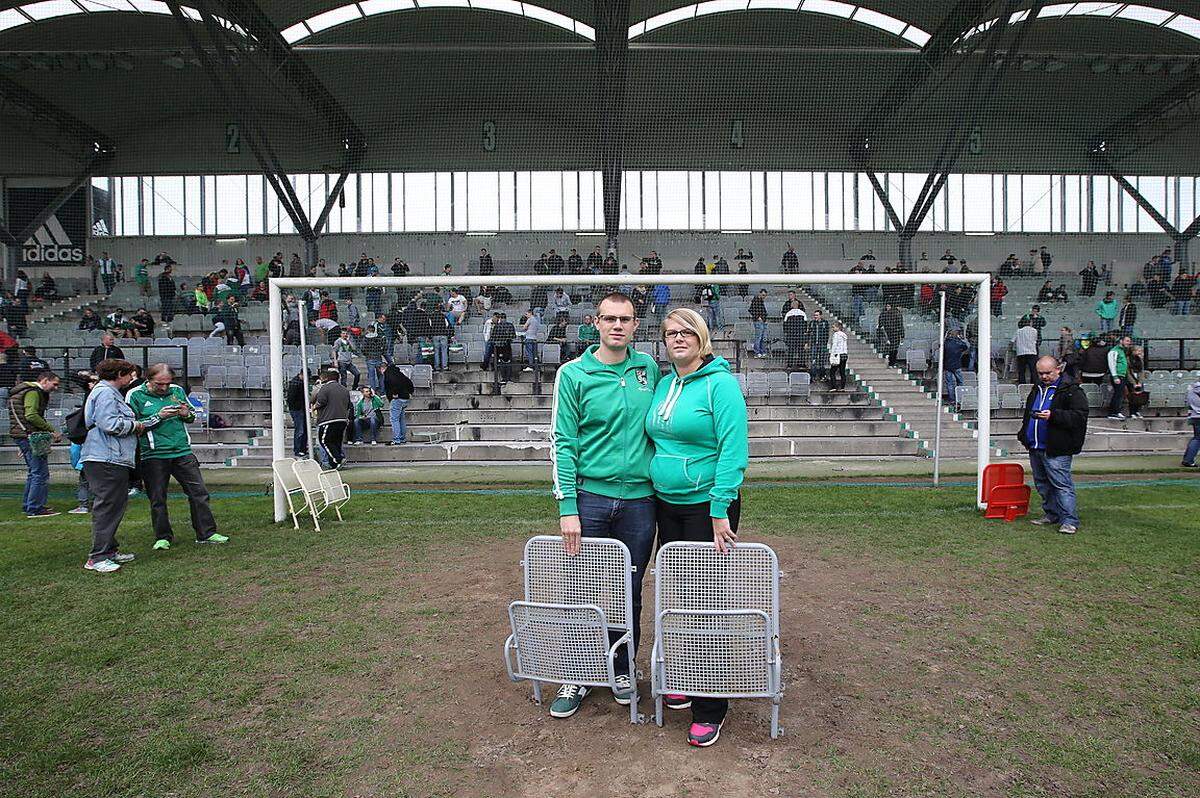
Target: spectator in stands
<point x="185" y="301"/>
<point x="503" y="335"/>
<point x="141" y="275"/>
<point x="1127" y="318"/>
<point x="1034" y="319"/>
<point x="1093" y="360"/>
<point x="699" y="426"/>
<point x="225" y="320"/>
<point x="398" y="389"/>
<point x="48" y="290"/>
<point x="163" y="410"/>
<point x="1118" y="371"/>
<point x="589" y="334"/>
<point x="457" y="307"/>
<point x="88" y="321"/>
<point x="201" y="296"/>
<point x="488" y="346"/>
<point x="331" y="404"/>
<point x="343" y="354"/>
<point x="1106" y="311"/>
<point x="108" y="455"/>
<point x="560" y="302"/>
<point x="1089" y="279"/>
<point x="1135" y="385"/>
<point x="1066" y="352"/>
<point x="838" y="353"/>
<point x="327" y="317"/>
<point x="601" y="460"/>
<point x="353" y="319"/>
<point x="373" y="353"/>
<point x="415" y="323"/>
<point x="1025" y="346"/>
<point x="368" y="413"/>
<point x="954" y="350"/>
<point x="1046" y="258"/>
<point x="27" y="402"/>
<point x="1061" y="295"/>
<point x="440" y="333"/>
<point x="166" y="293"/>
<point x="15" y="316"/>
<point x="297" y="405"/>
<point x="710" y="296"/>
<point x="143" y="323"/>
<point x="999" y="291"/>
<point x="948" y="258"/>
<point x="818" y="346"/>
<point x="790" y="262"/>
<point x="1046" y="293"/>
<point x="1053" y="429"/>
<point x="108" y="272"/>
<point x="260" y="292"/>
<point x="486" y="266"/>
<point x="32" y="365"/>
<point x="10" y="371"/>
<point x="795" y="333"/>
<point x="530" y="332"/>
<point x="22" y="288"/>
<point x="120" y="325"/>
<point x="1193" y="405"/>
<point x="296" y="266"/>
<point x="554" y="263"/>
<point x="1181" y="291"/>
<point x="891" y="324"/>
<point x="558" y="334"/>
<point x="640" y="295"/>
<point x="758" y="315"/>
<point x="660" y="299"/>
<point x="107" y="350"/>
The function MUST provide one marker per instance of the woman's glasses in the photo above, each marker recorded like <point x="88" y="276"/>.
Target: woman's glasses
<point x="669" y="334"/>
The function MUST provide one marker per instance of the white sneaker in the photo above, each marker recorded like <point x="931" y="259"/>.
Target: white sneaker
<point x="78" y="511"/>
<point x="527" y="368"/>
<point x="1068" y="529"/>
<point x="1117" y="417"/>
<point x="624" y="688"/>
<point x="1137" y="415"/>
<point x="101" y="566"/>
<point x="374" y="443"/>
<point x="121" y="558"/>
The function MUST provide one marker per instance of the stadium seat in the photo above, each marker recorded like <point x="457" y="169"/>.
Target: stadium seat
<point x="422" y="376"/>
<point x="716" y="624"/>
<point x="560" y="631"/>
<point x="552" y="354"/>
<point x="799" y="383"/>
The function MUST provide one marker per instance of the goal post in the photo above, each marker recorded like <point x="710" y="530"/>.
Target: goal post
<point x="276" y="287"/>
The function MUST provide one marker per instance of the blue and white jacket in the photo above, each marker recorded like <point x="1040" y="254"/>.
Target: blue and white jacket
<point x="111" y="428"/>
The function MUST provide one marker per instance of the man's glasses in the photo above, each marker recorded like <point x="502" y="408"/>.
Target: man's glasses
<point x="669" y="334"/>
<point x="615" y="319"/>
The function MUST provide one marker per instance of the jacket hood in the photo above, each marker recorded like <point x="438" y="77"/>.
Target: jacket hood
<point x="711" y="365"/>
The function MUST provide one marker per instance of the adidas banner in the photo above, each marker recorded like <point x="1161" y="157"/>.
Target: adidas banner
<point x="62" y="239"/>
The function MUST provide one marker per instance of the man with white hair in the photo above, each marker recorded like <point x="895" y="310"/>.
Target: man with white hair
<point x="1053" y="429"/>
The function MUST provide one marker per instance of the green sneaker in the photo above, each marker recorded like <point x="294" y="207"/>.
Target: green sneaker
<point x="215" y="538"/>
<point x="570" y="696"/>
<point x="162" y="545"/>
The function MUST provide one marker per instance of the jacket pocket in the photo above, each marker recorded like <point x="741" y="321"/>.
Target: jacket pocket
<point x="675" y="475"/>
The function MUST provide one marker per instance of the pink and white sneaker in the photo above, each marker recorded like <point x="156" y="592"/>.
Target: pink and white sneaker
<point x="703" y="735"/>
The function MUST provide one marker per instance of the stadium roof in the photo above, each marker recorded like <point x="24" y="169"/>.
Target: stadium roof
<point x="418" y="77"/>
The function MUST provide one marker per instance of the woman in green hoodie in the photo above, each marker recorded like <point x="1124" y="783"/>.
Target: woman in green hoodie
<point x="698" y="424"/>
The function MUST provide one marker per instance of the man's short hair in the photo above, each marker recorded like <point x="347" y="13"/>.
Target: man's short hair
<point x="47" y="375"/>
<point x="1037" y="307"/>
<point x="114" y="368"/>
<point x="328" y="375"/>
<point x="615" y="296"/>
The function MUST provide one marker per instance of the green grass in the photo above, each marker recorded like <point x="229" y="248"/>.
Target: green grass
<point x="974" y="658"/>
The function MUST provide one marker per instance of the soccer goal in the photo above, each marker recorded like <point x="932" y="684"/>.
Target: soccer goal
<point x="790" y="368"/>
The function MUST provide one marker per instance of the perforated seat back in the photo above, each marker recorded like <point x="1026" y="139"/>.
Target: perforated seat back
<point x="597" y="575"/>
<point x="695" y="576"/>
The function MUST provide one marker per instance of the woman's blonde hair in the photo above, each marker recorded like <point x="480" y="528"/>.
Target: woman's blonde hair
<point x="691" y="320"/>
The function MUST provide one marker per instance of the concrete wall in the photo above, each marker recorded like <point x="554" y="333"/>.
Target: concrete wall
<point x="426" y="253"/>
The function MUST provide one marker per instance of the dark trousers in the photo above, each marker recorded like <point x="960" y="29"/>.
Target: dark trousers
<point x="692" y="522"/>
<point x="1117" y="401"/>
<point x="330" y="436"/>
<point x="630" y="521"/>
<point x="299" y="432"/>
<point x="168" y="308"/>
<point x="156" y="474"/>
<point x="110" y="495"/>
<point x="1027" y="363"/>
<point x="837" y="373"/>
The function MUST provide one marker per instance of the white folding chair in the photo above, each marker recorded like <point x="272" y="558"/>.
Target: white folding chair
<point x="716" y="623"/>
<point x="286" y="475"/>
<point x="323" y="490"/>
<point x="560" y="631"/>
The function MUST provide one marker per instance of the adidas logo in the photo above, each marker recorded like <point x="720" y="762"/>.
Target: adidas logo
<point x="51" y="244"/>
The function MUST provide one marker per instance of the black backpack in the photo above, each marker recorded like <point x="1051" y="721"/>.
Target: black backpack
<point x="75" y="427"/>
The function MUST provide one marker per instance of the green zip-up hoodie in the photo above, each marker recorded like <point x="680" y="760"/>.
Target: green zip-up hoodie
<point x="701" y="438"/>
<point x="164" y="437"/>
<point x="598" y="438"/>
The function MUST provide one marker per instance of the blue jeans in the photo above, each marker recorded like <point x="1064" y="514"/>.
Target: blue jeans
<point x="716" y="318"/>
<point x="374" y="379"/>
<point x="441" y="351"/>
<point x="368" y="428"/>
<point x="760" y="337"/>
<point x="37" y="484"/>
<point x="952" y="378"/>
<point x="1106" y="324"/>
<point x="1052" y="478"/>
<point x="531" y="352"/>
<point x="399" y="430"/>
<point x="299" y="432"/>
<point x="1193" y="447"/>
<point x="488" y="349"/>
<point x="630" y="521"/>
<point x="346" y="367"/>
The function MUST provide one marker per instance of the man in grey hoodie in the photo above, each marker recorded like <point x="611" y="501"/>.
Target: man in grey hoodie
<point x="1193" y="447"/>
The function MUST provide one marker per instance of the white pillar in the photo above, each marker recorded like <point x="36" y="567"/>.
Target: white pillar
<point x="941" y="377"/>
<point x="278" y="392"/>
<point x="984" y="373"/>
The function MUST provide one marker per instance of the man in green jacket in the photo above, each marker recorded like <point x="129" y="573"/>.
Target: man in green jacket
<point x="166" y="451"/>
<point x="601" y="460"/>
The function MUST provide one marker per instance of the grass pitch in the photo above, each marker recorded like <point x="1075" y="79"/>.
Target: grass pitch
<point x="927" y="652"/>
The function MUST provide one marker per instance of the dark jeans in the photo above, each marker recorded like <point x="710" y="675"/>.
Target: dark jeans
<point x="1193" y="447"/>
<point x="1117" y="401"/>
<point x="109" y="484"/>
<point x="837" y="374"/>
<point x="692" y="522"/>
<point x="630" y="521"/>
<point x="1026" y="363"/>
<point x="168" y="308"/>
<point x="330" y="436"/>
<point x="368" y="428"/>
<point x="1052" y="478"/>
<point x="37" y="480"/>
<point x="156" y="474"/>
<point x="346" y="367"/>
<point x="299" y="432"/>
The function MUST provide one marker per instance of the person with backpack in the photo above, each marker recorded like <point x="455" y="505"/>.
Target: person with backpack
<point x="27" y="403"/>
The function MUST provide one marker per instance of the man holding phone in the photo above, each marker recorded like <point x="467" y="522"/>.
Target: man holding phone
<point x="166" y="451"/>
<point x="1053" y="429"/>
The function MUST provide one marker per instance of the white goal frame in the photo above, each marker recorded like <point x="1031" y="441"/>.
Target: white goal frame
<point x="983" y="281"/>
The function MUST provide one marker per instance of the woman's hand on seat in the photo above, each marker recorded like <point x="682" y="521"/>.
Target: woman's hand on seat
<point x="723" y="535"/>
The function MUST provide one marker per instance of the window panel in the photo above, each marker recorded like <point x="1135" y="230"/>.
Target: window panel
<point x="254" y="204"/>
<point x="444" y="199"/>
<point x="398" y="210"/>
<point x="508" y="200"/>
<point x="523" y="201"/>
<point x="997" y="204"/>
<point x="1154" y="189"/>
<point x="1098" y="186"/>
<point x="461" y="199"/>
<point x="1187" y="201"/>
<point x="797" y="197"/>
<point x="673" y="200"/>
<point x="695" y="200"/>
<point x="735" y="199"/>
<point x="131" y="215"/>
<point x="1129" y="208"/>
<point x="650" y="201"/>
<point x="570" y="191"/>
<point x="587" y="202"/>
<point x="834" y="206"/>
<point x="420" y="213"/>
<point x="977" y="203"/>
<point x="1073" y="206"/>
<point x="1016" y="204"/>
<point x="210" y="204"/>
<point x="231" y="205"/>
<point x="631" y="201"/>
<point x="380" y="204"/>
<point x="774" y="200"/>
<point x="168" y="206"/>
<point x="483" y="201"/>
<point x="712" y="200"/>
<point x="1038" y="203"/>
<point x="758" y="198"/>
<point x="545" y="210"/>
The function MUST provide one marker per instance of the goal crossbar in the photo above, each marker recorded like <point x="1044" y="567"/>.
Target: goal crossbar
<point x="982" y="280"/>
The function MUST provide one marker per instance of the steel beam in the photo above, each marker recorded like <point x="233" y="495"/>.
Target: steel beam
<point x="98" y="161"/>
<point x="1179" y="106"/>
<point x="612" y="50"/>
<point x="885" y="200"/>
<point x="88" y="139"/>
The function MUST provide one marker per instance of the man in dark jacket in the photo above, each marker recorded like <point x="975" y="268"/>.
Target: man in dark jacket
<point x="166" y="294"/>
<point x="1052" y="429"/>
<point x="108" y="350"/>
<point x="332" y="406"/>
<point x="297" y="405"/>
<point x="399" y="389"/>
<point x="891" y="324"/>
<point x="818" y="346"/>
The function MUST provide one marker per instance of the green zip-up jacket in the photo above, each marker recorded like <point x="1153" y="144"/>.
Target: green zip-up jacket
<point x="597" y="428"/>
<point x="701" y="438"/>
<point x="164" y="437"/>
